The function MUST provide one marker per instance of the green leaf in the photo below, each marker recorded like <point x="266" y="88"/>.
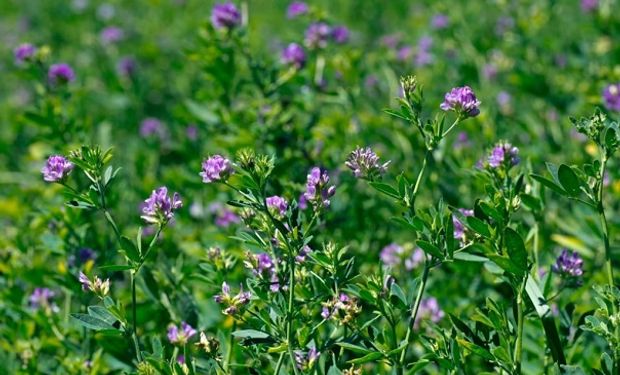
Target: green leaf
<point x="354" y="348"/>
<point x="396" y="290"/>
<point x="202" y="112"/>
<point x="130" y="249"/>
<point x="367" y="358"/>
<point x="102" y="313"/>
<point x="478" y="350"/>
<point x="429" y="248"/>
<point x="465" y="256"/>
<point x="91" y="322"/>
<point x="569" y="180"/>
<point x="549" y="184"/>
<point x="116" y="267"/>
<point x="385" y="189"/>
<point x="506" y="264"/>
<point x="516" y="249"/>
<point x="478" y="226"/>
<point x="250" y="334"/>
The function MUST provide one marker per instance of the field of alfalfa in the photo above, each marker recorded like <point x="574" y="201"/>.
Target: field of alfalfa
<point x="323" y="187"/>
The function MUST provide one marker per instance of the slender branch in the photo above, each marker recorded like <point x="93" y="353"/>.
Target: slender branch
<point x="134" y="332"/>
<point x="519" y="340"/>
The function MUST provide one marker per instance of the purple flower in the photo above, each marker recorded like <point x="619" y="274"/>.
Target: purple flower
<point x="589" y="5"/>
<point x="416" y="258"/>
<point x="463" y="101"/>
<point x="459" y="228"/>
<point x="317" y="34"/>
<point x="425" y="43"/>
<point x="503" y="99"/>
<point x="180" y="336"/>
<point x="60" y="73"/>
<point x="24" y="52"/>
<point x="423" y="58"/>
<point x="151" y="126"/>
<point x="340" y="34"/>
<point x="97" y="285"/>
<point x="56" y="169"/>
<point x="294" y="54"/>
<point x="611" y="95"/>
<point x="503" y="154"/>
<point x="305" y="361"/>
<point x="391" y="255"/>
<point x="440" y="21"/>
<point x="216" y="168"/>
<point x="233" y="303"/>
<point x="277" y="203"/>
<point x="568" y="264"/>
<point x="226" y="218"/>
<point x="429" y="310"/>
<point x="126" y="66"/>
<point x="462" y="140"/>
<point x="41" y="299"/>
<point x="391" y="41"/>
<point x="192" y="132"/>
<point x="296" y="8"/>
<point x="303" y="253"/>
<point x="159" y="207"/>
<point x="225" y="16"/>
<point x="504" y="24"/>
<point x="404" y="53"/>
<point x="317" y="190"/>
<point x="111" y="35"/>
<point x="489" y="71"/>
<point x="365" y="163"/>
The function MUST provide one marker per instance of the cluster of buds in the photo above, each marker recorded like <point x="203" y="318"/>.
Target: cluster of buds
<point x="264" y="267"/>
<point x="352" y="371"/>
<point x="41" y="299"/>
<point x="599" y="129"/>
<point x="234" y="304"/>
<point x="97" y="286"/>
<point x="365" y="163"/>
<point x="305" y="361"/>
<point x="210" y="345"/>
<point x="413" y="93"/>
<point x="341" y="308"/>
<point x="318" y="190"/>
<point x="503" y="155"/>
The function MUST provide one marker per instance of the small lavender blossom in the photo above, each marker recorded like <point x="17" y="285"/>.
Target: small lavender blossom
<point x="41" y="298"/>
<point x="126" y="66"/>
<point x="56" y="169"/>
<point x="489" y="71"/>
<point x="462" y="140"/>
<point x="180" y="335"/>
<point x="303" y="253"/>
<point x="151" y="126"/>
<point x="294" y="55"/>
<point x="463" y="101"/>
<point x="24" y="52"/>
<point x="225" y="16"/>
<point x="317" y="190"/>
<point x="440" y="21"/>
<point x="277" y="203"/>
<point x="589" y="5"/>
<point x="503" y="99"/>
<point x="340" y="34"/>
<point x="60" y="73"/>
<point x="296" y="9"/>
<point x="317" y="34"/>
<point x="459" y="228"/>
<point x="233" y="304"/>
<point x="611" y="95"/>
<point x="226" y="218"/>
<point x="216" y="168"/>
<point x="416" y="258"/>
<point x="365" y="163"/>
<point x="568" y="264"/>
<point x="391" y="255"/>
<point x="404" y="53"/>
<point x="191" y="132"/>
<point x="159" y="207"/>
<point x="305" y="361"/>
<point x="111" y="35"/>
<point x="504" y="154"/>
<point x="429" y="310"/>
<point x="97" y="285"/>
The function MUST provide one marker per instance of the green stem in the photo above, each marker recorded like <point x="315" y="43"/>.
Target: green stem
<point x="604" y="224"/>
<point x="414" y="314"/>
<point x="279" y="365"/>
<point x="229" y="350"/>
<point x="134" y="332"/>
<point x="289" y="312"/>
<point x="519" y="340"/>
<point x="455" y="123"/>
<point x="418" y="181"/>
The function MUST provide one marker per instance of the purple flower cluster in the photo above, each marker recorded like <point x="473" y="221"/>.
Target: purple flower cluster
<point x="263" y="266"/>
<point x="317" y="35"/>
<point x="423" y="55"/>
<point x="317" y="190"/>
<point x="459" y="228"/>
<point x="159" y="207"/>
<point x="393" y="254"/>
<point x="429" y="310"/>
<point x="342" y="308"/>
<point x="589" y="5"/>
<point x="303" y="253"/>
<point x="296" y="9"/>
<point x="24" y="52"/>
<point x="277" y="204"/>
<point x="503" y="154"/>
<point x="226" y="218"/>
<point x="60" y="73"/>
<point x="56" y="169"/>
<point x="41" y="298"/>
<point x="111" y="35"/>
<point x="225" y="16"/>
<point x="151" y="126"/>
<point x="440" y="21"/>
<point x="180" y="335"/>
<point x="305" y="361"/>
<point x="340" y="34"/>
<point x="126" y="66"/>
<point x="365" y="163"/>
<point x="216" y="168"/>
<point x="461" y="100"/>
<point x="611" y="95"/>
<point x="568" y="264"/>
<point x="294" y="55"/>
<point x="233" y="304"/>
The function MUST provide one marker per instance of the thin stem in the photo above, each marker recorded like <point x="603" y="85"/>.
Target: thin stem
<point x="229" y="350"/>
<point x="279" y="365"/>
<point x="519" y="340"/>
<point x="418" y="181"/>
<point x="148" y="250"/>
<point x="134" y="332"/>
<point x="289" y="312"/>
<point x="455" y="123"/>
<point x="604" y="224"/>
<point x="414" y="313"/>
